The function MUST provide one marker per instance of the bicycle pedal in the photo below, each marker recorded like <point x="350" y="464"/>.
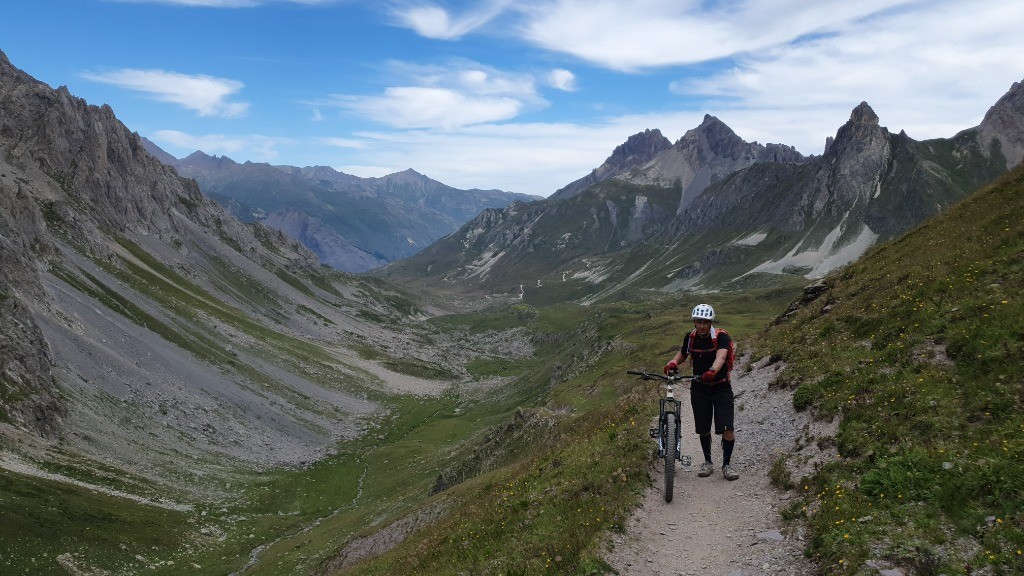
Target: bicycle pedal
<point x="654" y="432"/>
<point x="686" y="460"/>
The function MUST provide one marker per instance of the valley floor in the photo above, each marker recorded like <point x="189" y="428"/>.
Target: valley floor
<point x="714" y="527"/>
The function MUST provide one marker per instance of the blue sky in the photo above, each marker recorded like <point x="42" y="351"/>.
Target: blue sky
<point x="524" y="96"/>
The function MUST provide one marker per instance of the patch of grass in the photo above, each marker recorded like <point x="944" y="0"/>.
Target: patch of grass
<point x="779" y="474"/>
<point x="917" y="350"/>
<point x="44" y="519"/>
<point x="419" y="369"/>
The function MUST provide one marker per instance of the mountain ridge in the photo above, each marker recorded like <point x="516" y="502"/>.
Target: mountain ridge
<point x="743" y="212"/>
<point x="371" y="221"/>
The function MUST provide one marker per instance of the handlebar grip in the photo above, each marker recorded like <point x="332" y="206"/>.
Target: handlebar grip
<point x="635" y="372"/>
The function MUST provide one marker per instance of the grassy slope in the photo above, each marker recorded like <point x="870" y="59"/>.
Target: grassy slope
<point x="923" y="369"/>
<point x="582" y="475"/>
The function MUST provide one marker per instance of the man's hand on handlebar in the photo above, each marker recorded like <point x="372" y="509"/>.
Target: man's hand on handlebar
<point x="671" y="368"/>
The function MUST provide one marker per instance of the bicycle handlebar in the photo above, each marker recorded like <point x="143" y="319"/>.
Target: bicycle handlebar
<point x="671" y="378"/>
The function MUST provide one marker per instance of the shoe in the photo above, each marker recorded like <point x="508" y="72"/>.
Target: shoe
<point x="706" y="469"/>
<point x="729" y="473"/>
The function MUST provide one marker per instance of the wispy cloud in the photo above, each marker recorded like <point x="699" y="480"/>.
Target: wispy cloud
<point x="644" y="34"/>
<point x="460" y="94"/>
<point x="343" y="142"/>
<point x="436" y="22"/>
<point x="205" y="94"/>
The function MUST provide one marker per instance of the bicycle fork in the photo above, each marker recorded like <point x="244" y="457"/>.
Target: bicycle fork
<point x="660" y="433"/>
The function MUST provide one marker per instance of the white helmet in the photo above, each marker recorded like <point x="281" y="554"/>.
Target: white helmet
<point x="703" y="312"/>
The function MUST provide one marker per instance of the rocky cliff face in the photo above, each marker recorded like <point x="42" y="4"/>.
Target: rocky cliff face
<point x="705" y="155"/>
<point x="130" y="301"/>
<point x="637" y="150"/>
<point x="869" y="186"/>
<point x="1004" y="124"/>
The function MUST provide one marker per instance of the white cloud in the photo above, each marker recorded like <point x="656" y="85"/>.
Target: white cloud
<point x="343" y="142"/>
<point x="645" y="34"/>
<point x="562" y="79"/>
<point x="445" y="97"/>
<point x="424" y="107"/>
<point x="205" y="94"/>
<point x="432" y="21"/>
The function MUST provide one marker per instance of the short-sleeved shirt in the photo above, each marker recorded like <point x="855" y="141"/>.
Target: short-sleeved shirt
<point x="703" y="352"/>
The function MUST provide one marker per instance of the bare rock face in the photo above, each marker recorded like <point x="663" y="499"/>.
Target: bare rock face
<point x="636" y="151"/>
<point x="74" y="178"/>
<point x="1004" y="124"/>
<point x="705" y="155"/>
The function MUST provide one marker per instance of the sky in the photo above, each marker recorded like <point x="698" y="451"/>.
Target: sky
<point x="523" y="96"/>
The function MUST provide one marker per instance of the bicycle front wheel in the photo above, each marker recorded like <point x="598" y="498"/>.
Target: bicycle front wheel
<point x="671" y="436"/>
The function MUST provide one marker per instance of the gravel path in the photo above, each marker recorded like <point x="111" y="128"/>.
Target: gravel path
<point x="714" y="527"/>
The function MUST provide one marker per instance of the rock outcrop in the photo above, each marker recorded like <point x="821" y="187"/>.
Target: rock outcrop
<point x="1004" y="124"/>
<point x="705" y="155"/>
<point x="636" y="151"/>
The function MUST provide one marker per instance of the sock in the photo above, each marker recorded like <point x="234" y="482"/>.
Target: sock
<point x="727" y="451"/>
<point x="705" y="445"/>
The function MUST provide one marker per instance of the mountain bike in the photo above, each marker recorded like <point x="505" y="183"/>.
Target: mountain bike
<point x="667" y="432"/>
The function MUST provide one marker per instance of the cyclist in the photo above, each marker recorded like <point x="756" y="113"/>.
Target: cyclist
<point x="711" y="397"/>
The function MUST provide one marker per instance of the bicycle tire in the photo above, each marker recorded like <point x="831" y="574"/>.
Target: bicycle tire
<point x="671" y="434"/>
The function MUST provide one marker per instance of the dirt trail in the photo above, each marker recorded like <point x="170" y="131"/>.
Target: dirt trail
<point x="714" y="527"/>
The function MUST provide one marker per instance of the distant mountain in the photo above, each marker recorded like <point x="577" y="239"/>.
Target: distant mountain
<point x="145" y="330"/>
<point x="713" y="211"/>
<point x="370" y="221"/>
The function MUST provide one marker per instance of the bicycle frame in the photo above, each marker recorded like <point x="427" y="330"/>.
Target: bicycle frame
<point x="668" y="432"/>
<point x="668" y="404"/>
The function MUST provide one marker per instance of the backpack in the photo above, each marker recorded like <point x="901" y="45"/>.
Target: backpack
<point x="730" y="358"/>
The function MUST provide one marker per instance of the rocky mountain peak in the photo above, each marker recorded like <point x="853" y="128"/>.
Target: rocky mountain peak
<point x="715" y="133"/>
<point x="864" y="114"/>
<point x="640" y="146"/>
<point x="202" y="161"/>
<point x="861" y="135"/>
<point x="636" y="151"/>
<point x="1004" y="123"/>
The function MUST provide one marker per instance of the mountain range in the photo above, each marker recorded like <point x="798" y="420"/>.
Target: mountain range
<point x="713" y="212"/>
<point x="352" y="224"/>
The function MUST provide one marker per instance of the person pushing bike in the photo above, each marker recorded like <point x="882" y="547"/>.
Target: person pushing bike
<point x="711" y="353"/>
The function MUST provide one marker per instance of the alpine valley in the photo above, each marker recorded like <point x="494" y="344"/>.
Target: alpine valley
<point x="194" y="381"/>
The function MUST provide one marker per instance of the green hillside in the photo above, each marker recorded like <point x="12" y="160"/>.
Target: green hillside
<point x="573" y="458"/>
<point x="922" y="368"/>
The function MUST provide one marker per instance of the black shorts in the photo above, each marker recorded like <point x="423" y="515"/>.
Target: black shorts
<point x="712" y="401"/>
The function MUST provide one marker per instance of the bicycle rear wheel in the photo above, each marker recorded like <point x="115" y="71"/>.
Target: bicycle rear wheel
<point x="671" y="424"/>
